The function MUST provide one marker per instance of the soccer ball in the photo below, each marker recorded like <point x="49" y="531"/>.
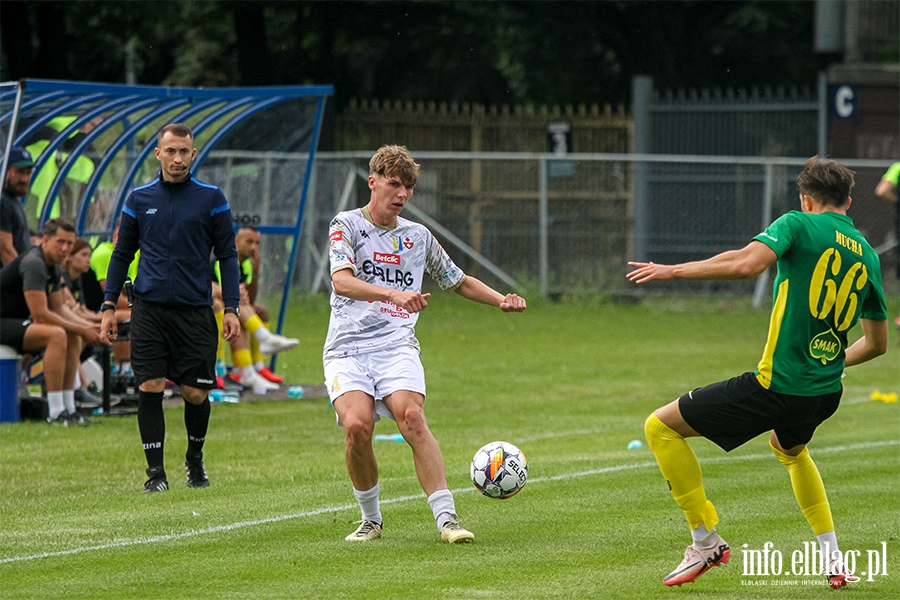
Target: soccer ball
<point x="499" y="470"/>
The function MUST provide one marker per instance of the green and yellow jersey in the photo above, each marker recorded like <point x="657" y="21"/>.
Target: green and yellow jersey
<point x="893" y="174"/>
<point x="100" y="261"/>
<point x="246" y="271"/>
<point x="828" y="278"/>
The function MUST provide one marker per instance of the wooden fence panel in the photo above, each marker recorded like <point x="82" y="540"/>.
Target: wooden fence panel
<point x="454" y="127"/>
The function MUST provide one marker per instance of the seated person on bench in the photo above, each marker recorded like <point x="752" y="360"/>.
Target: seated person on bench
<point x="34" y="318"/>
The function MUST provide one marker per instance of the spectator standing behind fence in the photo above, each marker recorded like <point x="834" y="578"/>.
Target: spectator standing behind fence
<point x="34" y="318"/>
<point x="371" y="359"/>
<point x="887" y="190"/>
<point x="14" y="232"/>
<point x="176" y="221"/>
<point x="829" y="278"/>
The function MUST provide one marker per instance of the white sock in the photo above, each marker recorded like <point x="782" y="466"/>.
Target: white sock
<point x="442" y="506"/>
<point x="69" y="400"/>
<point x="368" y="504"/>
<point x="701" y="533"/>
<point x="77" y="385"/>
<point x="248" y="373"/>
<point x="828" y="545"/>
<point x="55" y="404"/>
<point x="263" y="334"/>
<point x="259" y="366"/>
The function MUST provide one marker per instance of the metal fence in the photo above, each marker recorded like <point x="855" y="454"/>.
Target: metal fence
<point x="552" y="225"/>
<point x="784" y="121"/>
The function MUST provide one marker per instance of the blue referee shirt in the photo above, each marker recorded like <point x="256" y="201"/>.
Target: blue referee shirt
<point x="175" y="226"/>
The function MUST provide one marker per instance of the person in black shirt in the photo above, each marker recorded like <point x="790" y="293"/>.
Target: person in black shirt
<point x="75" y="267"/>
<point x="14" y="238"/>
<point x="175" y="221"/>
<point x="33" y="317"/>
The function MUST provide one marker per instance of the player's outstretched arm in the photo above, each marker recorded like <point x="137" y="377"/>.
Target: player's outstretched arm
<point x="477" y="291"/>
<point x="886" y="190"/>
<point x="872" y="344"/>
<point x="346" y="284"/>
<point x="746" y="263"/>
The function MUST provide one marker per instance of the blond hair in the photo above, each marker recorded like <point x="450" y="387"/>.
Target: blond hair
<point x="395" y="161"/>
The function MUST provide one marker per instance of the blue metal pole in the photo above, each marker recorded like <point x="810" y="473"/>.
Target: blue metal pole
<point x="313" y="143"/>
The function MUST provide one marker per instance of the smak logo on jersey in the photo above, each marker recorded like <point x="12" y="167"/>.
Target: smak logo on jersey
<point x="391" y="259"/>
<point x="407" y="243"/>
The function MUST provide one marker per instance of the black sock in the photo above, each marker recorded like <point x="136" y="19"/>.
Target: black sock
<point x="196" y="421"/>
<point x="152" y="424"/>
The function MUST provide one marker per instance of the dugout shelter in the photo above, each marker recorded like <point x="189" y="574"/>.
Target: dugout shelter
<point x="93" y="143"/>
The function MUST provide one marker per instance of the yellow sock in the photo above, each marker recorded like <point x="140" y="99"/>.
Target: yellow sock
<point x="254" y="350"/>
<point x="220" y="349"/>
<point x="252" y="324"/>
<point x="681" y="469"/>
<point x="241" y="358"/>
<point x="808" y="489"/>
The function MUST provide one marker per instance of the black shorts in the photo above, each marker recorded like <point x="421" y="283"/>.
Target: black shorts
<point x="175" y="342"/>
<point x="732" y="412"/>
<point x="12" y="332"/>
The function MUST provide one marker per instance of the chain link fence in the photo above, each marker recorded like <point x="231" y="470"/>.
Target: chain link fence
<point x="555" y="225"/>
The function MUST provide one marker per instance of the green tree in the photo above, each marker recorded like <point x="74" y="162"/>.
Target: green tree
<point x="493" y="52"/>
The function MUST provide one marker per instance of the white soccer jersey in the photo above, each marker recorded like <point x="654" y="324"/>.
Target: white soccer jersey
<point x="394" y="258"/>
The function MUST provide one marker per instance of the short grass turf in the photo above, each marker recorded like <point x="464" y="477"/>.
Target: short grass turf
<point x="570" y="383"/>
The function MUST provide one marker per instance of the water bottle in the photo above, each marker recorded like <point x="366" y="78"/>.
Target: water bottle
<point x="216" y="395"/>
<point x="295" y="391"/>
<point x="220" y="367"/>
<point x="231" y="396"/>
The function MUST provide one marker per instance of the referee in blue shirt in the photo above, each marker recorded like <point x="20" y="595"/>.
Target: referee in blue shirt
<point x="175" y="221"/>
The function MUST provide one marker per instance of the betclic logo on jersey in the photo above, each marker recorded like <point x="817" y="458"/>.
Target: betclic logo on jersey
<point x="386" y="274"/>
<point x="390" y="259"/>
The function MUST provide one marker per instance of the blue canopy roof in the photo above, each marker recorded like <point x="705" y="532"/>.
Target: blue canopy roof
<point x="93" y="143"/>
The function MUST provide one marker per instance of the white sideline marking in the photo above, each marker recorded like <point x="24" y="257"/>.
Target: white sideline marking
<point x="311" y="513"/>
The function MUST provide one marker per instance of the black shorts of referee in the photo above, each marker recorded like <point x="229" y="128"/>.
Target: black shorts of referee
<point x="733" y="412"/>
<point x="175" y="342"/>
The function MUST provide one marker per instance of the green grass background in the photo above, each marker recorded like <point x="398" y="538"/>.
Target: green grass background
<point x="570" y="383"/>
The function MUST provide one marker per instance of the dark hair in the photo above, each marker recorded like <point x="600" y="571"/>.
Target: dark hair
<point x="177" y="129"/>
<point x="828" y="181"/>
<point x="52" y="226"/>
<point x="79" y="245"/>
<point x="252" y="228"/>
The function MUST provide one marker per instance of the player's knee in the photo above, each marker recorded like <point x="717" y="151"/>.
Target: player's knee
<point x="358" y="431"/>
<point x="414" y="418"/>
<point x="194" y="395"/>
<point x="650" y="428"/>
<point x="657" y="432"/>
<point x="74" y="341"/>
<point x="262" y="311"/>
<point x="57" y="337"/>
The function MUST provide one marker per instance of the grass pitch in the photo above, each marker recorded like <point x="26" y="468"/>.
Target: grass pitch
<point x="569" y="383"/>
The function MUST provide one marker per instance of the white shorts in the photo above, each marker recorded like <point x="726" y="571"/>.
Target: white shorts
<point x="377" y="374"/>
